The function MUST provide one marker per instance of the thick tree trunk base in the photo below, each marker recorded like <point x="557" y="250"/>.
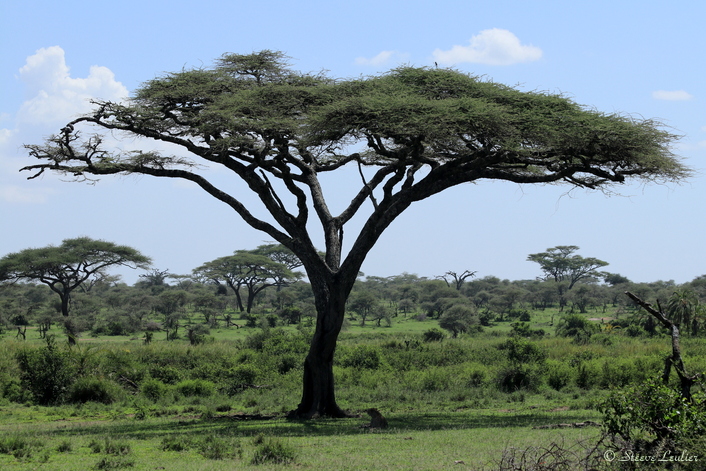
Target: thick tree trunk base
<point x="318" y="397"/>
<point x="333" y="412"/>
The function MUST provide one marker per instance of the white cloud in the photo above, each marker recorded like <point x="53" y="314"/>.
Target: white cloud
<point x="492" y="47"/>
<point x="385" y="57"/>
<point x="672" y="95"/>
<point x="5" y="135"/>
<point x="54" y="96"/>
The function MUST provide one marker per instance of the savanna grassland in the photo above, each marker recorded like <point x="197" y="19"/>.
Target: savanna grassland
<point x="471" y="402"/>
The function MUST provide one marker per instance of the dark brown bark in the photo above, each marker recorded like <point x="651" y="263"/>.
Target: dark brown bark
<point x="318" y="395"/>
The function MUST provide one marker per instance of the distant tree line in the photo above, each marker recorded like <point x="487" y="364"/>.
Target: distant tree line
<point x="262" y="287"/>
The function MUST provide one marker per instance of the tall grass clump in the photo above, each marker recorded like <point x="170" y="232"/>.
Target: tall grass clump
<point x="19" y="445"/>
<point x="270" y="450"/>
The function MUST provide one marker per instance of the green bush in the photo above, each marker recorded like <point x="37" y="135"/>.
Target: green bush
<point x="654" y="416"/>
<point x="362" y="357"/>
<point x="167" y="374"/>
<point x="587" y="374"/>
<point x="433" y="335"/>
<point x="243" y="374"/>
<point x="153" y="389"/>
<point x="474" y="375"/>
<point x="46" y="372"/>
<point x="559" y="374"/>
<point x="196" y="387"/>
<point x="514" y="377"/>
<point x="91" y="389"/>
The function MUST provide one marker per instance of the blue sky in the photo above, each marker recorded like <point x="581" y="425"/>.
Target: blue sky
<point x="643" y="58"/>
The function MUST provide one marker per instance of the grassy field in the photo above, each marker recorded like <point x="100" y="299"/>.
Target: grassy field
<point x="472" y="439"/>
<point x="172" y="405"/>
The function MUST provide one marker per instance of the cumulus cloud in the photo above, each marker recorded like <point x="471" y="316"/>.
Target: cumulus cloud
<point x="672" y="95"/>
<point x="385" y="57"/>
<point x="54" y="96"/>
<point x="491" y="47"/>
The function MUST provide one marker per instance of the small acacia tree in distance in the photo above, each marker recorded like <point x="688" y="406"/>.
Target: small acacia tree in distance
<point x="65" y="267"/>
<point x="560" y="263"/>
<point x="411" y="133"/>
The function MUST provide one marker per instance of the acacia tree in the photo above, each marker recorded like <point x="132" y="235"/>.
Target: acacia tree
<point x="249" y="269"/>
<point x="66" y="267"/>
<point x="458" y="278"/>
<point x="561" y="264"/>
<point x="411" y="133"/>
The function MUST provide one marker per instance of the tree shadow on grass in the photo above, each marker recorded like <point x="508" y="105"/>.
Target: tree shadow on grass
<point x="244" y="426"/>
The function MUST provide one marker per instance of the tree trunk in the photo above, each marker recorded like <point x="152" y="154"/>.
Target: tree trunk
<point x="318" y="396"/>
<point x="65" y="297"/>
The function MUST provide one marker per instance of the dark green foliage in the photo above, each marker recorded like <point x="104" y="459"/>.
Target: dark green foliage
<point x="525" y="367"/>
<point x="46" y="372"/>
<point x="655" y="416"/>
<point x="64" y="446"/>
<point x="522" y="329"/>
<point x="559" y="374"/>
<point x="167" y="374"/>
<point x="91" y="389"/>
<point x="459" y="318"/>
<point x="195" y="387"/>
<point x="433" y="335"/>
<point x="153" y="389"/>
<point x="578" y="327"/>
<point x="197" y="334"/>
<point x="362" y="357"/>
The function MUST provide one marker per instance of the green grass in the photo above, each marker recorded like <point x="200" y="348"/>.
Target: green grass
<point x="441" y="399"/>
<point x="412" y="441"/>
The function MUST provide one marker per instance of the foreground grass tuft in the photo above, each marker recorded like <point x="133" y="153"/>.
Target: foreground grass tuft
<point x="19" y="445"/>
<point x="271" y="450"/>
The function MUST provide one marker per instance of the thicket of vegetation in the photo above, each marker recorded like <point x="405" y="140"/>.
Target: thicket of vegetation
<point x="170" y="345"/>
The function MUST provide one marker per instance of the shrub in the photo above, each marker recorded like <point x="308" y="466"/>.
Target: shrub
<point x="153" y="389"/>
<point x="559" y="374"/>
<point x="195" y="387"/>
<point x="576" y="326"/>
<point x="514" y="377"/>
<point x="166" y="374"/>
<point x="433" y="335"/>
<point x="654" y="416"/>
<point x="475" y="375"/>
<point x="91" y="389"/>
<point x="197" y="334"/>
<point x="46" y="372"/>
<point x="520" y="350"/>
<point x="587" y="372"/>
<point x="362" y="357"/>
<point x="64" y="446"/>
<point x="243" y="374"/>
